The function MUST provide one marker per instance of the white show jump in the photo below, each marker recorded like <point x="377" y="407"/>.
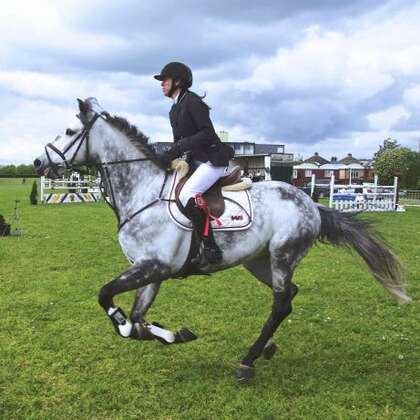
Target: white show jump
<point x="70" y="190"/>
<point x="372" y="197"/>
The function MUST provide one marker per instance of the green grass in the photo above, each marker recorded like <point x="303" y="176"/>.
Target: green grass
<point x="346" y="352"/>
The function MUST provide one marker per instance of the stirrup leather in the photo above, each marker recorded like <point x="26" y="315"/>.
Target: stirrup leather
<point x="203" y="206"/>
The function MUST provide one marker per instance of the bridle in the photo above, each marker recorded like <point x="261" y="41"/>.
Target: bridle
<point x="81" y="137"/>
<point x="69" y="164"/>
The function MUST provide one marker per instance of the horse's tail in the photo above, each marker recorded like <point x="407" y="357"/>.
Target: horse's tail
<point x="345" y="230"/>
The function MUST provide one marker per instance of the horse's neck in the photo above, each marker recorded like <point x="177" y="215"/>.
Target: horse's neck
<point x="130" y="186"/>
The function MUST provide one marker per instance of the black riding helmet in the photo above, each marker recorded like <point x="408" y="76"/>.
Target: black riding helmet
<point x="176" y="71"/>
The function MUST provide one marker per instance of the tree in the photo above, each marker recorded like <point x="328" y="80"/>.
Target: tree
<point x="411" y="174"/>
<point x="388" y="144"/>
<point x="401" y="162"/>
<point x="25" y="170"/>
<point x="8" y="170"/>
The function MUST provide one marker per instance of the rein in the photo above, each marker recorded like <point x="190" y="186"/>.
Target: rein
<point x="81" y="137"/>
<point x="137" y="212"/>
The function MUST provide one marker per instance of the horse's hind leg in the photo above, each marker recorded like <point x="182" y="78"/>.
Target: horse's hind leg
<point x="282" y="306"/>
<point x="260" y="268"/>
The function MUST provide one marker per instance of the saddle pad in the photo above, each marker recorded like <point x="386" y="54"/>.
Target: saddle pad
<point x="238" y="213"/>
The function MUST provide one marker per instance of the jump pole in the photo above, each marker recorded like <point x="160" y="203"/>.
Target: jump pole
<point x="312" y="185"/>
<point x="332" y="189"/>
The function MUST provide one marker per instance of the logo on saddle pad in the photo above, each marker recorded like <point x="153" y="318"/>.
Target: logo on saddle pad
<point x="237" y="212"/>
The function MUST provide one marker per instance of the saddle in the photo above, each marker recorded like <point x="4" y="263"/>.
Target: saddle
<point x="213" y="197"/>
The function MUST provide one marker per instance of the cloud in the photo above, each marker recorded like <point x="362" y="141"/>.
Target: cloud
<point x="388" y="118"/>
<point x="309" y="74"/>
<point x="328" y="83"/>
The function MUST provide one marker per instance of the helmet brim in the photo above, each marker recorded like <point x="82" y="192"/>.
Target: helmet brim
<point x="160" y="77"/>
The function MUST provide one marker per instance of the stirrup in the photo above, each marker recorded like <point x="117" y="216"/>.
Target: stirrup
<point x="211" y="251"/>
<point x="212" y="255"/>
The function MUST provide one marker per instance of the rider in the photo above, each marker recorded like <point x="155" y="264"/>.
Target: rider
<point x="194" y="134"/>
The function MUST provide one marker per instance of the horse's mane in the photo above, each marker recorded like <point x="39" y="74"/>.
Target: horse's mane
<point x="137" y="138"/>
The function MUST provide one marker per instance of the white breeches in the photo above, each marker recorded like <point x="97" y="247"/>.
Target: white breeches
<point x="201" y="180"/>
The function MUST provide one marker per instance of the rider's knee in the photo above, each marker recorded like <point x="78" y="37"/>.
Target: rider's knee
<point x="185" y="196"/>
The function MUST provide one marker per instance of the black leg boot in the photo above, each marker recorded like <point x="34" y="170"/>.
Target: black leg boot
<point x="201" y="223"/>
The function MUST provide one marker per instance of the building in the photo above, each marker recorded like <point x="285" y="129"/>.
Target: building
<point x="257" y="161"/>
<point x="223" y="135"/>
<point x="348" y="170"/>
<point x="263" y="161"/>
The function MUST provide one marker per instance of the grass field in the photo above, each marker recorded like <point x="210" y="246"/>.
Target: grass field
<point x="346" y="352"/>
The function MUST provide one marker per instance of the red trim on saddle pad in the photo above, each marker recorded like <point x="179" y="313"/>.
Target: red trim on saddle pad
<point x="203" y="206"/>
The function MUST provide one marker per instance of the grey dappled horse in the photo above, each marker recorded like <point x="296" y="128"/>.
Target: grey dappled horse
<point x="286" y="224"/>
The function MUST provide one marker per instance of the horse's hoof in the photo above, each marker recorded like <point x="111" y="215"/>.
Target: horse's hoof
<point x="184" y="335"/>
<point x="245" y="373"/>
<point x="269" y="351"/>
<point x="294" y="290"/>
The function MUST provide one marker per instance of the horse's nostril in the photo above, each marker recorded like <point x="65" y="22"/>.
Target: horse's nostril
<point x="37" y="163"/>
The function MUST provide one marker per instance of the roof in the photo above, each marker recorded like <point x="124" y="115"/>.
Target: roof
<point x="305" y="165"/>
<point x="316" y="158"/>
<point x="355" y="166"/>
<point x="333" y="166"/>
<point x="241" y="155"/>
<point x="268" y="148"/>
<point x="349" y="159"/>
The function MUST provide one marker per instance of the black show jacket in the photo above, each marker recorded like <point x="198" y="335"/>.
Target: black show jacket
<point x="194" y="132"/>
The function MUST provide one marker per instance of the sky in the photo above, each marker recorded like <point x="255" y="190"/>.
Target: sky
<point x="326" y="76"/>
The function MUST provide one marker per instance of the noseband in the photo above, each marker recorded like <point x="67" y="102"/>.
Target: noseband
<point x="81" y="137"/>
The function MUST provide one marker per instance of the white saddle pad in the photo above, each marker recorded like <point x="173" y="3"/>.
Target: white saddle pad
<point x="238" y="213"/>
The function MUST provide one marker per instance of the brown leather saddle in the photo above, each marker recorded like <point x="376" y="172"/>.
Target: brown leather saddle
<point x="213" y="197"/>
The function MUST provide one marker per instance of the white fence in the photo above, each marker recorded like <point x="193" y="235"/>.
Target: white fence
<point x="70" y="190"/>
<point x="366" y="197"/>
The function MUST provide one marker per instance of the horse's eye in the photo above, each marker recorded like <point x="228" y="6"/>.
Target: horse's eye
<point x="70" y="132"/>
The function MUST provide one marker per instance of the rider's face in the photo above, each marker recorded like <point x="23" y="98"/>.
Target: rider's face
<point x="167" y="85"/>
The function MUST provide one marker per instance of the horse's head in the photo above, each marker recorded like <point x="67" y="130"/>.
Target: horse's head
<point x="71" y="147"/>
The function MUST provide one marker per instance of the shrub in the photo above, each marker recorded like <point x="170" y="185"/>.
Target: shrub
<point x="34" y="194"/>
<point x="316" y="194"/>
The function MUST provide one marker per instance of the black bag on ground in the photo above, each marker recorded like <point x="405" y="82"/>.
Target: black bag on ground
<point x="4" y="227"/>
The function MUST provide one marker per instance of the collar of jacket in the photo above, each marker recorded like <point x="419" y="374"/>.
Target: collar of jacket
<point x="181" y="97"/>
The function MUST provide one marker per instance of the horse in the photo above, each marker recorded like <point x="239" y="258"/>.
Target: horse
<point x="286" y="224"/>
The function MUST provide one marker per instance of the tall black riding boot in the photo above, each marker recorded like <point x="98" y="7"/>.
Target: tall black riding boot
<point x="202" y="225"/>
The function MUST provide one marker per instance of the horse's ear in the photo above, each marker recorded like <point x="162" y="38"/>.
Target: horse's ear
<point x="82" y="106"/>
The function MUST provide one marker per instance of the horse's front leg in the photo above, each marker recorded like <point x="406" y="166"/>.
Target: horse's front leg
<point x="142" y="330"/>
<point x="145" y="296"/>
<point x="137" y="277"/>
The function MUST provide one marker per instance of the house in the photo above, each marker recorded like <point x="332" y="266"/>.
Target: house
<point x="257" y="161"/>
<point x="348" y="170"/>
<point x="263" y="161"/>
